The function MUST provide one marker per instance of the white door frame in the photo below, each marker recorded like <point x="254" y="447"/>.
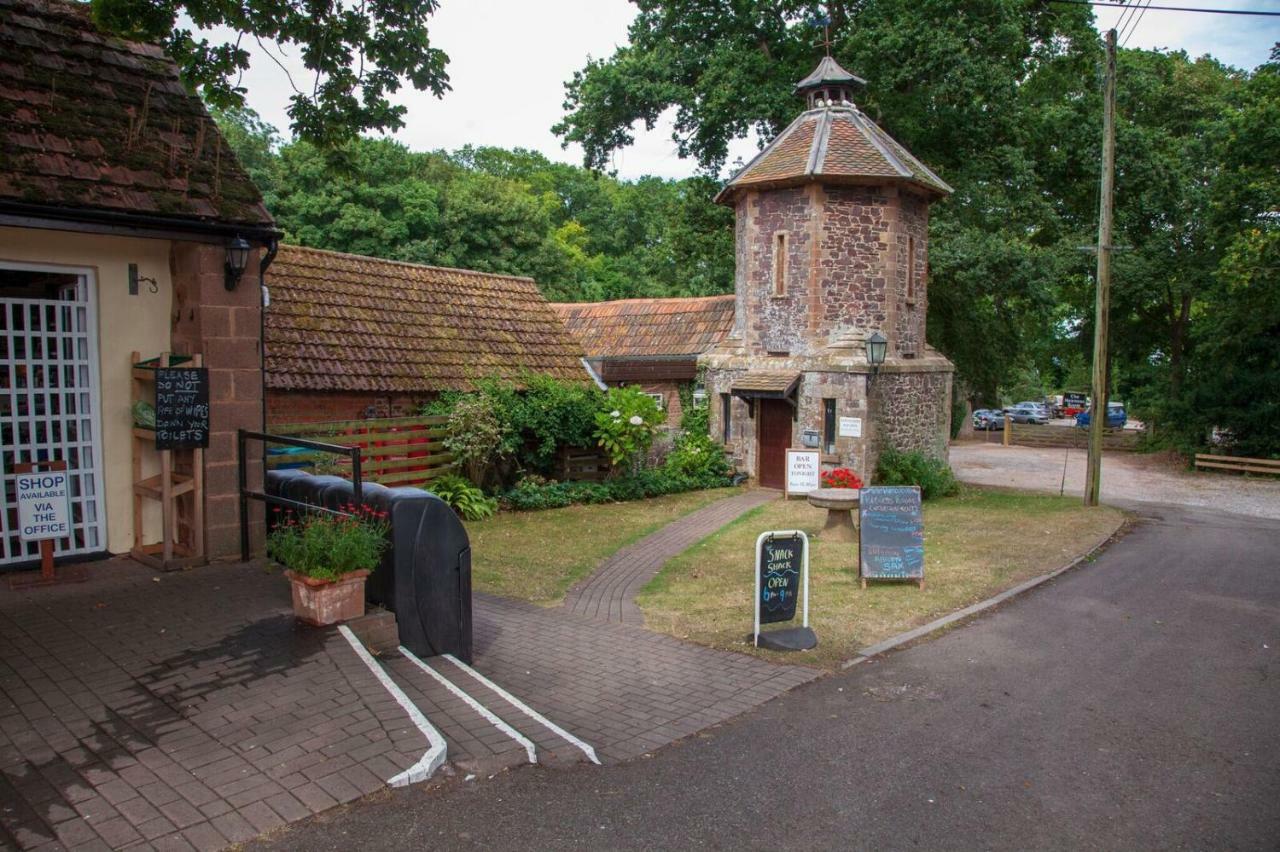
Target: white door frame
<point x="89" y="281"/>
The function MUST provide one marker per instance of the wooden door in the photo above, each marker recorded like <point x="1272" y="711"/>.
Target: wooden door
<point x="775" y="437"/>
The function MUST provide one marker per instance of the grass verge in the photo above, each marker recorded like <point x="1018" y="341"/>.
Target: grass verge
<point x="538" y="556"/>
<point x="977" y="544"/>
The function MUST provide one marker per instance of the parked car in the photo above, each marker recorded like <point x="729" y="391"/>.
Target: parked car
<point x="1116" y="416"/>
<point x="988" y="419"/>
<point x="1028" y="412"/>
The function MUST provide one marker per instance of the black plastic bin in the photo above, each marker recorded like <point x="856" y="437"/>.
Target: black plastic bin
<point x="424" y="576"/>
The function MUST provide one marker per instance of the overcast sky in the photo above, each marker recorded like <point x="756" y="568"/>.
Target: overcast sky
<point x="509" y="60"/>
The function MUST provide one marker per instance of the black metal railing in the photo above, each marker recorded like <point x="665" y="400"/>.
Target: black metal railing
<point x="243" y="436"/>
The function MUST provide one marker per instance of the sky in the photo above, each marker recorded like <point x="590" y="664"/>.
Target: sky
<point x="509" y="61"/>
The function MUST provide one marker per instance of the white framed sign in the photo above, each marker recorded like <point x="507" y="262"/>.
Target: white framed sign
<point x="850" y="427"/>
<point x="44" y="505"/>
<point x="804" y="467"/>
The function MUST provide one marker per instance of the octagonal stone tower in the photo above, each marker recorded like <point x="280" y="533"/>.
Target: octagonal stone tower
<point x="832" y="245"/>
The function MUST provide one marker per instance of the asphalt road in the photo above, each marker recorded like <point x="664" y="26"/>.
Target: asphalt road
<point x="1133" y="703"/>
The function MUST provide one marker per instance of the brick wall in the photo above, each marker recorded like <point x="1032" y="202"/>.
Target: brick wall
<point x="223" y="326"/>
<point x="292" y="406"/>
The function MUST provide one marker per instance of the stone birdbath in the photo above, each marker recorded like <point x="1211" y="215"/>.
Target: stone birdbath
<point x="840" y="504"/>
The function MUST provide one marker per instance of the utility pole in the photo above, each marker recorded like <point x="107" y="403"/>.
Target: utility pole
<point x="1102" y="300"/>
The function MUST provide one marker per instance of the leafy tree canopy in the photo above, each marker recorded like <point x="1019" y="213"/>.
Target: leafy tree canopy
<point x="358" y="53"/>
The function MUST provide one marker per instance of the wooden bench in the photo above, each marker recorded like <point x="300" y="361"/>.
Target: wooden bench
<point x="1238" y="463"/>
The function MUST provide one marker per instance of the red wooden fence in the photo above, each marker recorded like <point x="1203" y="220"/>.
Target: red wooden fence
<point x="395" y="451"/>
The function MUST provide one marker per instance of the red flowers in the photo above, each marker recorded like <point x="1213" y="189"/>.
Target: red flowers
<point x="841" y="477"/>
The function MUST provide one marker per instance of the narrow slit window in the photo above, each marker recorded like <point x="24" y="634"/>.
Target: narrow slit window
<point x="829" y="426"/>
<point x="726" y="409"/>
<point x="780" y="265"/>
<point x="911" y="269"/>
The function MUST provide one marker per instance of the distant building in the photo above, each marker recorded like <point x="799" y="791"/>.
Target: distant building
<point x="832" y="245"/>
<point x="351" y="337"/>
<point x="121" y="207"/>
<point x="652" y="344"/>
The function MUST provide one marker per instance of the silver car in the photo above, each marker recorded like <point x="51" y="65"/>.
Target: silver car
<point x="1028" y="412"/>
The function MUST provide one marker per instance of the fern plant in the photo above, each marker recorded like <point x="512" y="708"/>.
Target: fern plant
<point x="463" y="497"/>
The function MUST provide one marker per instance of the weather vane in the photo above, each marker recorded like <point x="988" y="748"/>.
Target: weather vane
<point x="823" y="21"/>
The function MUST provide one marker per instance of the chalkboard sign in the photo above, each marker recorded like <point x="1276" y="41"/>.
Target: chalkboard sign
<point x="780" y="560"/>
<point x="891" y="534"/>
<point x="182" y="408"/>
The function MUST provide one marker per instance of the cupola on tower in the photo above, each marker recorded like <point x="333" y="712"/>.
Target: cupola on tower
<point x="831" y="247"/>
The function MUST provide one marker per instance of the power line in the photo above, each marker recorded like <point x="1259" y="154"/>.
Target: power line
<point x="1127" y="13"/>
<point x="1109" y="5"/>
<point x="1133" y="25"/>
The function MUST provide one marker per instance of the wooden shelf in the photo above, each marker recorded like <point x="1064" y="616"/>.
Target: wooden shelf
<point x="180" y="495"/>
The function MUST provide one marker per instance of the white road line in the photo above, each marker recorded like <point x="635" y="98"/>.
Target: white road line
<point x="474" y="705"/>
<point x="526" y="709"/>
<point x="434" y="756"/>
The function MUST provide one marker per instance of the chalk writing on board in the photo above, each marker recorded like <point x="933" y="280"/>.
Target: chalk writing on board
<point x="892" y="533"/>
<point x="182" y="408"/>
<point x="780" y="578"/>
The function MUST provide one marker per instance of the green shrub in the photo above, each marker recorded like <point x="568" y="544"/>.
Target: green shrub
<point x="465" y="499"/>
<point x="625" y="425"/>
<point x="933" y="476"/>
<point x="475" y="435"/>
<point x="696" y="418"/>
<point x="530" y="495"/>
<point x="695" y="454"/>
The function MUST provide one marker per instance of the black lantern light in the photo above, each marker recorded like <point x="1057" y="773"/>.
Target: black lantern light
<point x="877" y="348"/>
<point x="237" y="261"/>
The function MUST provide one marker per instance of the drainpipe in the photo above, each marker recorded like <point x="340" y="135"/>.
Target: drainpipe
<point x="265" y="296"/>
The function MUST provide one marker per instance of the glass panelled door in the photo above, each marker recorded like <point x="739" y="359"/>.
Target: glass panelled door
<point x="49" y="400"/>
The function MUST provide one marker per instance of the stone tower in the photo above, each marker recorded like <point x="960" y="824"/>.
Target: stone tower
<point x="832" y="245"/>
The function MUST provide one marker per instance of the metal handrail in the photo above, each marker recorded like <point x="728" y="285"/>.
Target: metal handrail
<point x="243" y="435"/>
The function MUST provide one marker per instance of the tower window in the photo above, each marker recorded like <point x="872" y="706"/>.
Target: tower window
<point x="829" y="426"/>
<point x="780" y="265"/>
<point x="726" y="410"/>
<point x="911" y="270"/>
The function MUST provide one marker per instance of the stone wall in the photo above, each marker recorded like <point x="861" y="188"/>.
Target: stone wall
<point x="912" y="411"/>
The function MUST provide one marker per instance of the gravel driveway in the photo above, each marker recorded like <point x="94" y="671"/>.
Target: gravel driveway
<point x="1126" y="477"/>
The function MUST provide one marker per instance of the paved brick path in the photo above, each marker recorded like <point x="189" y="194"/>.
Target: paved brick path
<point x="609" y="593"/>
<point x="190" y="710"/>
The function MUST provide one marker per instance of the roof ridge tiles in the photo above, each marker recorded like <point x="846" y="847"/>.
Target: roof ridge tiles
<point x="409" y="264"/>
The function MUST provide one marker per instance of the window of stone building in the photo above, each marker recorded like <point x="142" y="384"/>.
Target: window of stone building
<point x="780" y="264"/>
<point x="829" y="426"/>
<point x="911" y="270"/>
<point x="726" y="407"/>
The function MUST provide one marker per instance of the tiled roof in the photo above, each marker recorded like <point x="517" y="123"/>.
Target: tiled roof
<point x="753" y="382"/>
<point x="833" y="143"/>
<point x="647" y="328"/>
<point x="90" y="121"/>
<point x="351" y="323"/>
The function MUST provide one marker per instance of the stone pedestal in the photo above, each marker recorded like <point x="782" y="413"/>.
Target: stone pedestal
<point x="840" y="503"/>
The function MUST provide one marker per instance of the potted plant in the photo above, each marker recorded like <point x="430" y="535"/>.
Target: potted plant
<point x="840" y="477"/>
<point x="327" y="558"/>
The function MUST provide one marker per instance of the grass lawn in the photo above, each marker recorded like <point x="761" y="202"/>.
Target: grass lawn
<point x="538" y="556"/>
<point x="977" y="543"/>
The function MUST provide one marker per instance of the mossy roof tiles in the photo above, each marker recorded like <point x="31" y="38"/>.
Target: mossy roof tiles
<point x="352" y="323"/>
<point x="648" y="328"/>
<point x="90" y="121"/>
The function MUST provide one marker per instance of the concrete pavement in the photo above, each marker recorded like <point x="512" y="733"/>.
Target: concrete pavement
<point x="1133" y="703"/>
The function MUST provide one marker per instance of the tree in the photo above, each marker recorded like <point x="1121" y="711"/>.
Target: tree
<point x="359" y="54"/>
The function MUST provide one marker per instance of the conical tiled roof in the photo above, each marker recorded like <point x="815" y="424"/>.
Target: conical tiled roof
<point x="832" y="143"/>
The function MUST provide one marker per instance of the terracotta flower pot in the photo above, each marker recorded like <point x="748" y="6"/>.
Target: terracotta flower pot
<point x="325" y="602"/>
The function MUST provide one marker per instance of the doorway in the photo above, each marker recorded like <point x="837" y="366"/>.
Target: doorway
<point x="775" y="424"/>
<point x="49" y="399"/>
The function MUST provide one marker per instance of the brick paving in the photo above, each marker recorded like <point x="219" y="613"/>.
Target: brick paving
<point x="184" y="710"/>
<point x="190" y="710"/>
<point x="609" y="593"/>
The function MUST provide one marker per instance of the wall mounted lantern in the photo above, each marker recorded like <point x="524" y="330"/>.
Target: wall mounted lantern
<point x="237" y="260"/>
<point x="877" y="348"/>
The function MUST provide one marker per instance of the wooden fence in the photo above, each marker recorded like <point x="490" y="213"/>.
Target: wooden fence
<point x="1237" y="463"/>
<point x="1030" y="435"/>
<point x="396" y="451"/>
<point x="575" y="464"/>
